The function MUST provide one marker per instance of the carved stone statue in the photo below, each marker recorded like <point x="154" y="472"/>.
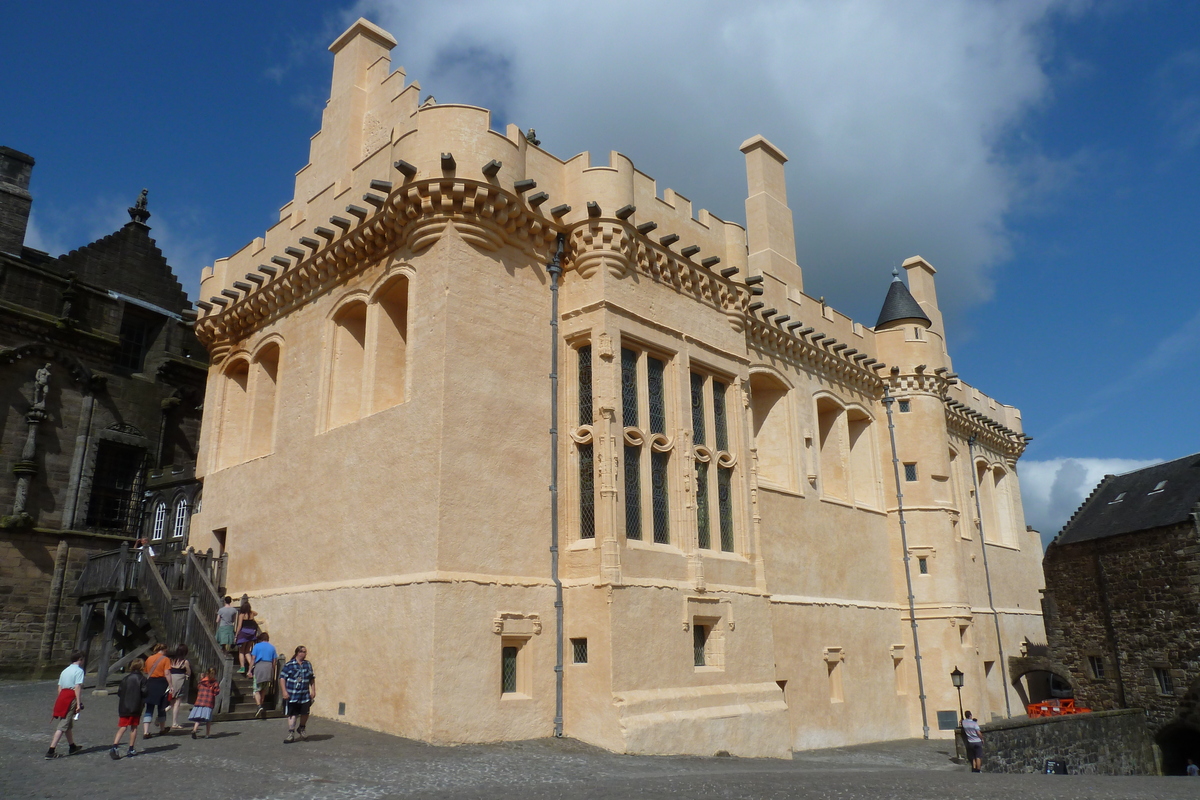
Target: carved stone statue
<point x="41" y="386"/>
<point x="139" y="212"/>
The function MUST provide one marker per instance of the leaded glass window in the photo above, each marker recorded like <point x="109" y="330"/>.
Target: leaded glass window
<point x="697" y="408"/>
<point x="579" y="651"/>
<point x="584" y="449"/>
<point x="662" y="514"/>
<point x="585" y="385"/>
<point x="658" y="404"/>
<point x="587" y="491"/>
<point x="629" y="384"/>
<point x="646" y="451"/>
<point x="720" y="424"/>
<point x="633" y="492"/>
<point x="508" y="670"/>
<point x="699" y="643"/>
<point x="725" y="506"/>
<point x="714" y="466"/>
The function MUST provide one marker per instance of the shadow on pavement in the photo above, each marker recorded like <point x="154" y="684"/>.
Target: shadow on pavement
<point x="223" y="734"/>
<point x="320" y="737"/>
<point x="145" y="751"/>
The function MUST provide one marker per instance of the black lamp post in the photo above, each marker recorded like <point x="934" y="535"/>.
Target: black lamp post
<point x="956" y="678"/>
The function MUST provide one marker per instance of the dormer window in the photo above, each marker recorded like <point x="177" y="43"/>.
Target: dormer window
<point x="1117" y="499"/>
<point x="1158" y="487"/>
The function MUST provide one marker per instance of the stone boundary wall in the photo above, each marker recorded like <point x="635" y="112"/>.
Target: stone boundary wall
<point x="1099" y="743"/>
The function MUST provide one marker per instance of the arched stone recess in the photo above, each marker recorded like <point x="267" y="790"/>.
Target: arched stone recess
<point x="832" y="446"/>
<point x="264" y="395"/>
<point x="775" y="428"/>
<point x="866" y="488"/>
<point x="234" y="406"/>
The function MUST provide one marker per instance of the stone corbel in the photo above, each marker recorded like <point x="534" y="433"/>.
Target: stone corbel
<point x="513" y="623"/>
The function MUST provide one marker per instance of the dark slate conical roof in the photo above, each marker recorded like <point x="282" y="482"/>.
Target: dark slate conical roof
<point x="900" y="304"/>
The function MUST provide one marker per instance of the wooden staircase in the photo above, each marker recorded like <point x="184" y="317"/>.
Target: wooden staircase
<point x="241" y="701"/>
<point x="141" y="600"/>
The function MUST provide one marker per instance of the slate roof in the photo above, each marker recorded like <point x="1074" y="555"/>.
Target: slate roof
<point x="1141" y="507"/>
<point x="900" y="304"/>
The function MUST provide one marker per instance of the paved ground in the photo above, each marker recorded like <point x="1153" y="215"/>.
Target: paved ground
<point x="249" y="760"/>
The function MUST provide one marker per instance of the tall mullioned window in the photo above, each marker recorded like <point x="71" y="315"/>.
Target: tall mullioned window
<point x="647" y="448"/>
<point x="585" y="451"/>
<point x="714" y="461"/>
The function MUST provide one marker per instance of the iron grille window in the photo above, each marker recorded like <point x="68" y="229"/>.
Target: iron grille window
<point x="579" y="653"/>
<point x="725" y="506"/>
<point x="1165" y="684"/>
<point x="703" y="529"/>
<point x="699" y="644"/>
<point x="508" y="670"/>
<point x="116" y="484"/>
<point x="923" y="565"/>
<point x="905" y="406"/>
<point x="697" y="408"/>
<point x="181" y="513"/>
<point x="910" y="472"/>
<point x="160" y="520"/>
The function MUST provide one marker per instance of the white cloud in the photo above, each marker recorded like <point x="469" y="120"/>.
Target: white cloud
<point x="1053" y="490"/>
<point x="895" y="115"/>
<point x="40" y="239"/>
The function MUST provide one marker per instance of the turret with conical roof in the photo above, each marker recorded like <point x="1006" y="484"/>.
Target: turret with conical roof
<point x="900" y="306"/>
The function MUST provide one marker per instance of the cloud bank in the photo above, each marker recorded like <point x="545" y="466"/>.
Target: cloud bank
<point x="899" y="118"/>
<point x="1053" y="490"/>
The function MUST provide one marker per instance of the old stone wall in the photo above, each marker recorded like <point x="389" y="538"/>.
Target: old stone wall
<point x="1101" y="743"/>
<point x="31" y="600"/>
<point x="1128" y="603"/>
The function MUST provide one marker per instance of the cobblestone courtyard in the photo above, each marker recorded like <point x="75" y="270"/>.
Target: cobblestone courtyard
<point x="249" y="760"/>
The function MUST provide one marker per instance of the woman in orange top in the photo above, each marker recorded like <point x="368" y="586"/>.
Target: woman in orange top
<point x="158" y="666"/>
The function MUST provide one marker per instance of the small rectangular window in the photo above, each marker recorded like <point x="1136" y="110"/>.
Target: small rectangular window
<point x="923" y="565"/>
<point x="905" y="406"/>
<point x="1165" y="684"/>
<point x="910" y="472"/>
<point x="508" y="670"/>
<point x="579" y="654"/>
<point x="1096" y="664"/>
<point x="699" y="644"/>
<point x="917" y="333"/>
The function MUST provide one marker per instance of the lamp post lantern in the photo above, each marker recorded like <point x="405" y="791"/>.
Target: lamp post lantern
<point x="956" y="677"/>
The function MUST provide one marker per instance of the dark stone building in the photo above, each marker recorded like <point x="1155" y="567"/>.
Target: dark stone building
<point x="102" y="383"/>
<point x="1122" y="601"/>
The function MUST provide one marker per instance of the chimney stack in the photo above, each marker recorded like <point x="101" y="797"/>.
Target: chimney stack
<point x="15" y="200"/>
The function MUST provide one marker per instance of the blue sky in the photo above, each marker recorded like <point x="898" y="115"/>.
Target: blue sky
<point x="1043" y="155"/>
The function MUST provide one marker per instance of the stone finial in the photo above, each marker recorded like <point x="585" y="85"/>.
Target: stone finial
<point x="138" y="212"/>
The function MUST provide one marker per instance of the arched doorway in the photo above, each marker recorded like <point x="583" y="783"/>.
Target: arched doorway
<point x="1178" y="741"/>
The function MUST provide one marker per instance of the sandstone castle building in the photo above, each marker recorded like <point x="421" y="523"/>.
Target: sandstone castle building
<point x="447" y="320"/>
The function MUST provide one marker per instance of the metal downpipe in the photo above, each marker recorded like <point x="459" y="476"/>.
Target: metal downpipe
<point x="912" y="607"/>
<point x="987" y="574"/>
<point x="554" y="269"/>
